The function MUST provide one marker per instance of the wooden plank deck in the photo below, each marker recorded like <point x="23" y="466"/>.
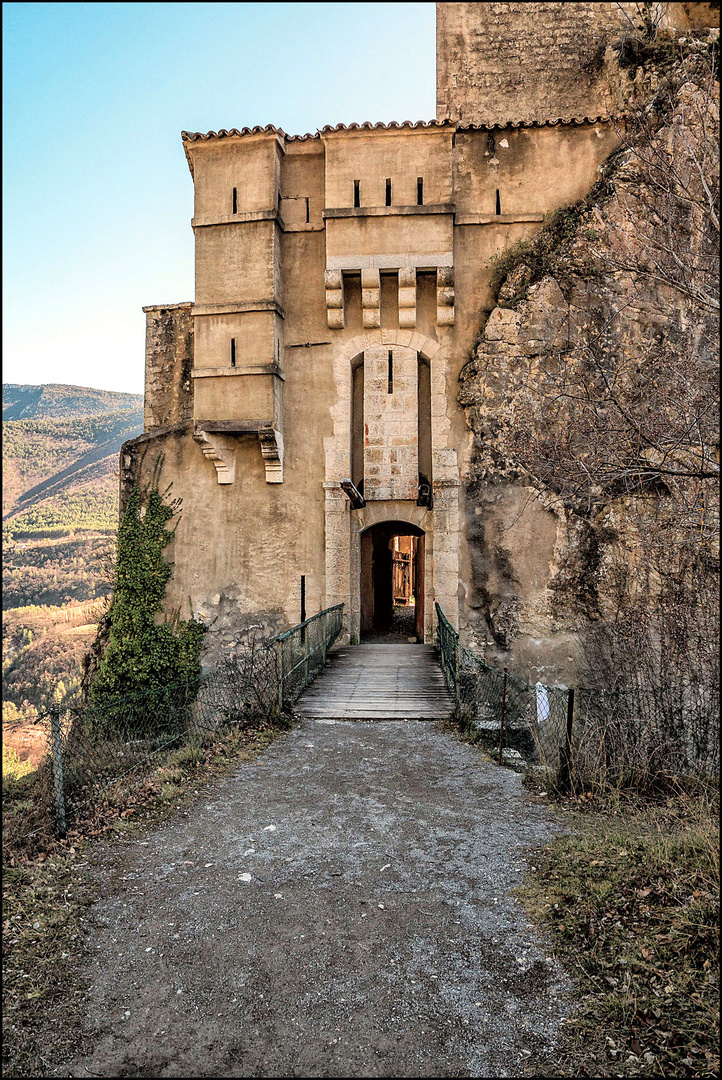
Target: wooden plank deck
<point x="379" y="682"/>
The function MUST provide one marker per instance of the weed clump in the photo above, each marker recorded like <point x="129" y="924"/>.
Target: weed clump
<point x="630" y="898"/>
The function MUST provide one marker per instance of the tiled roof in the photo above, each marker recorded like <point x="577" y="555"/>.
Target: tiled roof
<point x="575" y="121"/>
<point x="269" y="129"/>
<point x="368" y="126"/>
<point x="194" y="136"/>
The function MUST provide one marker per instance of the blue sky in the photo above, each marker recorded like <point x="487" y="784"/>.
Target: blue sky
<point x="97" y="197"/>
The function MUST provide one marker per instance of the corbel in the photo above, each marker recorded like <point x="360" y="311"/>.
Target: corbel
<point x="222" y="456"/>
<point x="271" y="442"/>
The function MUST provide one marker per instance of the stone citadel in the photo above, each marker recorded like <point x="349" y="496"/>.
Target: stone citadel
<point x="305" y="404"/>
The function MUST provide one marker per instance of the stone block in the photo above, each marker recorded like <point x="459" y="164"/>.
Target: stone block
<point x="407" y="277"/>
<point x="445" y="316"/>
<point x="370" y="298"/>
<point x="371" y="318"/>
<point x="407" y="318"/>
<point x="503" y="325"/>
<point x="333" y="279"/>
<point x="334" y="298"/>
<point x="444" y="276"/>
<point x="407" y="297"/>
<point x="370" y="279"/>
<point x="445" y="458"/>
<point x="334" y="318"/>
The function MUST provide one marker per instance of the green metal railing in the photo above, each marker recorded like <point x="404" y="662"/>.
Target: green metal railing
<point x="301" y="652"/>
<point x="506" y="711"/>
<point x="90" y="748"/>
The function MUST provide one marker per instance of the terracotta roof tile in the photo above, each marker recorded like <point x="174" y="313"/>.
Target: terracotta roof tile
<point x="575" y="121"/>
<point x="394" y="125"/>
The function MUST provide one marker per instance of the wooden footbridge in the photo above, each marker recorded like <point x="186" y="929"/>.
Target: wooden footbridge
<point x="378" y="682"/>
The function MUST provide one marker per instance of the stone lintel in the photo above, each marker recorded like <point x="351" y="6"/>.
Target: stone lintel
<point x="496" y="219"/>
<point x="179" y="428"/>
<point x="234" y="427"/>
<point x="390" y="261"/>
<point x="168" y="307"/>
<point x="387" y="211"/>
<point x="237" y="309"/>
<point x="237" y="219"/>
<point x="246" y="369"/>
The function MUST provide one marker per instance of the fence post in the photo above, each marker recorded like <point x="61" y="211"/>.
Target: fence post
<point x="279" y="674"/>
<point x="57" y="759"/>
<point x="503" y="710"/>
<point x="457" y="687"/>
<point x="566" y="754"/>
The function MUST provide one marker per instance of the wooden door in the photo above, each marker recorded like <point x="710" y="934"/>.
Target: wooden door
<point x="419" y="576"/>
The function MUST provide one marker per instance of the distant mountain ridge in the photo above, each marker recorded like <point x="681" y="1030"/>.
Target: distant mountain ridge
<point x="60" y="457"/>
<point x="57" y="401"/>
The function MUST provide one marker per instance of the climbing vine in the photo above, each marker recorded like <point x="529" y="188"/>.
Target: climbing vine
<point x="144" y="654"/>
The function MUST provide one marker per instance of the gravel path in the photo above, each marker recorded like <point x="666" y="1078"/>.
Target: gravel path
<point x="339" y="907"/>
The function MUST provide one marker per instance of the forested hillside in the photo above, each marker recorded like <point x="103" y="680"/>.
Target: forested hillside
<point x="60" y="512"/>
<point x="60" y="474"/>
<point x="59" y="402"/>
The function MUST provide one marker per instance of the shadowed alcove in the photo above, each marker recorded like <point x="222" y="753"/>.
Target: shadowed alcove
<point x="392" y="582"/>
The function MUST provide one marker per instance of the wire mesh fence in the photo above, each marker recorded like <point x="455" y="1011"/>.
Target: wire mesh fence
<point x="93" y="747"/>
<point x="584" y="735"/>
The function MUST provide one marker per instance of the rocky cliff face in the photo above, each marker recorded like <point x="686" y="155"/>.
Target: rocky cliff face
<point x="591" y="392"/>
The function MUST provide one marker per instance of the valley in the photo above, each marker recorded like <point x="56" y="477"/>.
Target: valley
<point x="60" y="512"/>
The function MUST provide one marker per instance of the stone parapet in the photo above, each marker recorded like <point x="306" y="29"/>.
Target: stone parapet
<point x="169" y="342"/>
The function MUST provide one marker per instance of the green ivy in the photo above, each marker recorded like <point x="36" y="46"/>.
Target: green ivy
<point x="145" y="657"/>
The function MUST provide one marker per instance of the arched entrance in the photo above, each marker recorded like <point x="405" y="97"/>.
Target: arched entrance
<point x="392" y="582"/>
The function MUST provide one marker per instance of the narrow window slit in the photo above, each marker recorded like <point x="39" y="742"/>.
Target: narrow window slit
<point x="357" y="193"/>
<point x="308" y="211"/>
<point x="235" y="200"/>
<point x="233" y="352"/>
<point x="388" y="193"/>
<point x="419" y="191"/>
<point x="391" y="372"/>
<point x="498" y="202"/>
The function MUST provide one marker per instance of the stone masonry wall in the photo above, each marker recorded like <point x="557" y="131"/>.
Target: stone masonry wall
<point x="168" y="365"/>
<point x="508" y="62"/>
<point x="391" y="423"/>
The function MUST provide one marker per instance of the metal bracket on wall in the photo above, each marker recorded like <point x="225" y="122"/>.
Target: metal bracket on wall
<point x="357" y="500"/>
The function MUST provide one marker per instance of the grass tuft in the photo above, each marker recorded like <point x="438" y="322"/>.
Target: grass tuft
<point x="630" y="898"/>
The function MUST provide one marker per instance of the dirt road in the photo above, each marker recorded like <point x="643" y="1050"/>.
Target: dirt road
<point x="339" y="907"/>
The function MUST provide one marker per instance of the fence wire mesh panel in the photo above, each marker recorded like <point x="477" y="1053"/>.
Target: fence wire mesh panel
<point x="93" y="747"/>
<point x="671" y="729"/>
<point x="585" y="734"/>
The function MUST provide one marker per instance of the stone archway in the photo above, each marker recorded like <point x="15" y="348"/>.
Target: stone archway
<point x="387" y="547"/>
<point x="343" y="524"/>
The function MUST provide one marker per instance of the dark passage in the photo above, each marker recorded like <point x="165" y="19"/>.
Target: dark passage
<point x="392" y="583"/>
